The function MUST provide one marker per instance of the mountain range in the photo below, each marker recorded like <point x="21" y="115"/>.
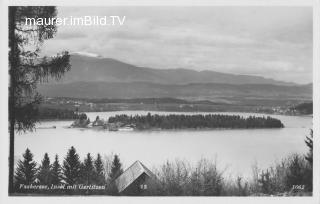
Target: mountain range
<point x="94" y="69"/>
<point x="97" y="77"/>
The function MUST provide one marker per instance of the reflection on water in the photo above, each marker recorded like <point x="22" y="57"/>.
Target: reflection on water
<point x="235" y="149"/>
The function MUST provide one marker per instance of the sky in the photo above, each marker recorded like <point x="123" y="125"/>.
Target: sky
<point x="273" y="42"/>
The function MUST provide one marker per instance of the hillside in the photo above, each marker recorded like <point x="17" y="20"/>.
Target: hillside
<point x="200" y="91"/>
<point x="89" y="69"/>
<point x="95" y="77"/>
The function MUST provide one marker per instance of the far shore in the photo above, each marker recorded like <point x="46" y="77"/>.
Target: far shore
<point x="179" y="111"/>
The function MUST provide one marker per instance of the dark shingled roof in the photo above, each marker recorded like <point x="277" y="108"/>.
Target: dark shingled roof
<point x="131" y="174"/>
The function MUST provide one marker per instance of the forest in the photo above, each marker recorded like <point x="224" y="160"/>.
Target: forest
<point x="292" y="176"/>
<point x="172" y="121"/>
<point x="303" y="108"/>
<point x="56" y="114"/>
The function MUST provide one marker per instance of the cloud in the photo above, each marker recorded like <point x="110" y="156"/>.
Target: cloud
<point x="272" y="42"/>
<point x="88" y="54"/>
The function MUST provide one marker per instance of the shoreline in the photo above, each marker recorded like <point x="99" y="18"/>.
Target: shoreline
<point x="199" y="112"/>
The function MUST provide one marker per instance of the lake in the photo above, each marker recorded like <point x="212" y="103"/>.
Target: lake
<point x="235" y="149"/>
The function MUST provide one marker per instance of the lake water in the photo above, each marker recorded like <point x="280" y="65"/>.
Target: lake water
<point x="235" y="149"/>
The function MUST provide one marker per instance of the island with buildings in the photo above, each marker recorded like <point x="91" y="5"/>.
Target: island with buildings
<point x="175" y="121"/>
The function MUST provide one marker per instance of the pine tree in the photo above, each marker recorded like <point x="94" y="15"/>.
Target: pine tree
<point x="44" y="174"/>
<point x="27" y="69"/>
<point x="56" y="175"/>
<point x="87" y="170"/>
<point x="27" y="169"/>
<point x="116" y="168"/>
<point x="99" y="171"/>
<point x="71" y="167"/>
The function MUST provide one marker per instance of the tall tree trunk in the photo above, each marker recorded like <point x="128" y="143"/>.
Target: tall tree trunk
<point x="13" y="60"/>
<point x="11" y="158"/>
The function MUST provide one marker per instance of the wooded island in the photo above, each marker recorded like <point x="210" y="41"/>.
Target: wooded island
<point x="199" y="121"/>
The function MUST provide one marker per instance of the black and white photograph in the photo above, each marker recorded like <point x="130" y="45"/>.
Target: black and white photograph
<point x="161" y="101"/>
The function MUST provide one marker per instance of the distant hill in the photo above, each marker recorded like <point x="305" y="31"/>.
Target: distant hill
<point x="303" y="108"/>
<point x="96" y="77"/>
<point x="195" y="90"/>
<point x="97" y="69"/>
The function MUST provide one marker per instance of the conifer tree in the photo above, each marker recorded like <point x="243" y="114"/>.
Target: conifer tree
<point x="71" y="167"/>
<point x="87" y="170"/>
<point x="44" y="174"/>
<point x="99" y="171"/>
<point x="27" y="169"/>
<point x="116" y="168"/>
<point x="56" y="175"/>
<point x="27" y="69"/>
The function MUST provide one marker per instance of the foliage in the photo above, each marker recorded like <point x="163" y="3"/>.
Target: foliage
<point x="178" y="178"/>
<point x="298" y="172"/>
<point x="284" y="177"/>
<point x="61" y="114"/>
<point x="71" y="167"/>
<point x="243" y="188"/>
<point x="44" y="174"/>
<point x="196" y="121"/>
<point x="116" y="170"/>
<point x="309" y="143"/>
<point x="27" y="69"/>
<point x="82" y="121"/>
<point x="303" y="108"/>
<point x="87" y="170"/>
<point x="83" y="116"/>
<point x="56" y="172"/>
<point x="26" y="170"/>
<point x="99" y="176"/>
<point x="266" y="183"/>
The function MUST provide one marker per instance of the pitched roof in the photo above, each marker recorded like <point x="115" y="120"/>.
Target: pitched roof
<point x="131" y="174"/>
